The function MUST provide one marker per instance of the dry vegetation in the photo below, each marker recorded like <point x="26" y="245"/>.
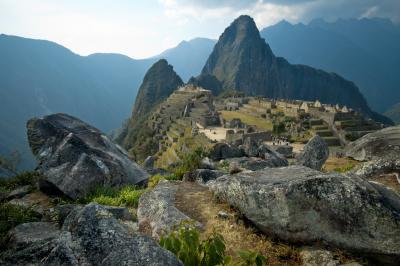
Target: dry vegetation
<point x="198" y="203"/>
<point x="341" y="165"/>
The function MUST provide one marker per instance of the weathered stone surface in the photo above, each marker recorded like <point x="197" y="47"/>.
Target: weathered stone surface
<point x="222" y="151"/>
<point x="315" y="153"/>
<point x="202" y="176"/>
<point x="375" y="145"/>
<point x="250" y="163"/>
<point x="299" y="204"/>
<point x="76" y="157"/>
<point x="157" y="210"/>
<point x="378" y="166"/>
<point x="317" y="257"/>
<point x="206" y="163"/>
<point x="284" y="150"/>
<point x="149" y="162"/>
<point x="92" y="236"/>
<point x="19" y="192"/>
<point x="273" y="158"/>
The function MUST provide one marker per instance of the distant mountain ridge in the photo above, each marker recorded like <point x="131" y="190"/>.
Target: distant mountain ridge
<point x="243" y="61"/>
<point x="40" y="77"/>
<point x="364" y="51"/>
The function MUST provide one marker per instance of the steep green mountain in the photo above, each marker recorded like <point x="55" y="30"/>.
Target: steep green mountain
<point x="189" y="56"/>
<point x="243" y="61"/>
<point x="394" y="113"/>
<point x="364" y="51"/>
<point x="158" y="83"/>
<point x="39" y="77"/>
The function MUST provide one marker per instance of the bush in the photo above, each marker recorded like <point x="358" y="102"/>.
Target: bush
<point x="186" y="245"/>
<point x="190" y="162"/>
<point x="127" y="196"/>
<point x="251" y="258"/>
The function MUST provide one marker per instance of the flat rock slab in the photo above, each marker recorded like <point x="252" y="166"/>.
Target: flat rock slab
<point x="25" y="234"/>
<point x="157" y="212"/>
<point x="375" y="145"/>
<point x="298" y="204"/>
<point x="76" y="157"/>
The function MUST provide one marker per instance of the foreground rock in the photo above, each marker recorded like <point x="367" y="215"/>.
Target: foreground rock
<point x="76" y="157"/>
<point x="299" y="204"/>
<point x="376" y="145"/>
<point x="90" y="236"/>
<point x="315" y="153"/>
<point x="254" y="163"/>
<point x="157" y="213"/>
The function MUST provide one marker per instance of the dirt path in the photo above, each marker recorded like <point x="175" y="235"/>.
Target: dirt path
<point x="198" y="203"/>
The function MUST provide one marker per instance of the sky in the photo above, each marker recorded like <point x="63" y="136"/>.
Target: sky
<point x="145" y="28"/>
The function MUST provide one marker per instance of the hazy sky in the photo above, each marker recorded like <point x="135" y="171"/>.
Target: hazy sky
<point x="144" y="28"/>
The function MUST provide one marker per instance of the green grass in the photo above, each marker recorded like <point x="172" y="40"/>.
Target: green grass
<point x="22" y="179"/>
<point x="248" y="119"/>
<point x="11" y="216"/>
<point x="127" y="196"/>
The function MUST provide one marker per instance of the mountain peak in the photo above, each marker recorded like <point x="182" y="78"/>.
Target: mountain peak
<point x="243" y="27"/>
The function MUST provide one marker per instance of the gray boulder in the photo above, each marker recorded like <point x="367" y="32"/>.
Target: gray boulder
<point x="250" y="147"/>
<point x="202" y="176"/>
<point x="222" y="151"/>
<point x="157" y="212"/>
<point x="206" y="163"/>
<point x="315" y="153"/>
<point x="375" y="145"/>
<point x="284" y="150"/>
<point x="380" y="166"/>
<point x="252" y="163"/>
<point x="76" y="157"/>
<point x="19" y="192"/>
<point x="149" y="162"/>
<point x="299" y="204"/>
<point x="273" y="158"/>
<point x="90" y="236"/>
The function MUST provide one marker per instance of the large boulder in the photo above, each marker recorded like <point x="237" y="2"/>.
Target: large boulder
<point x="299" y="204"/>
<point x="221" y="151"/>
<point x="76" y="157"/>
<point x="255" y="163"/>
<point x="157" y="212"/>
<point x="375" y="145"/>
<point x="90" y="236"/>
<point x="273" y="158"/>
<point x="314" y="154"/>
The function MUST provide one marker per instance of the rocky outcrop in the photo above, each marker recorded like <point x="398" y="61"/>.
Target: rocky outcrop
<point x="299" y="204"/>
<point x="375" y="145"/>
<point x="314" y="154"/>
<point x="202" y="176"/>
<point x="254" y="163"/>
<point x="90" y="236"/>
<point x="76" y="157"/>
<point x="272" y="158"/>
<point x="221" y="151"/>
<point x="241" y="60"/>
<point x="157" y="212"/>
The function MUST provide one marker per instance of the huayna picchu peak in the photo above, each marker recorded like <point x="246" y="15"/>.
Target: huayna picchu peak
<point x="243" y="61"/>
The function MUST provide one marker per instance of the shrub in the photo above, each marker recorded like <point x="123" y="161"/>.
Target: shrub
<point x="250" y="258"/>
<point x="190" y="162"/>
<point x="186" y="245"/>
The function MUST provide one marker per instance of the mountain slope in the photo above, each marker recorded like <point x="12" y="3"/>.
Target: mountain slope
<point x="158" y="83"/>
<point x="364" y="51"/>
<point x="243" y="61"/>
<point x="394" y="113"/>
